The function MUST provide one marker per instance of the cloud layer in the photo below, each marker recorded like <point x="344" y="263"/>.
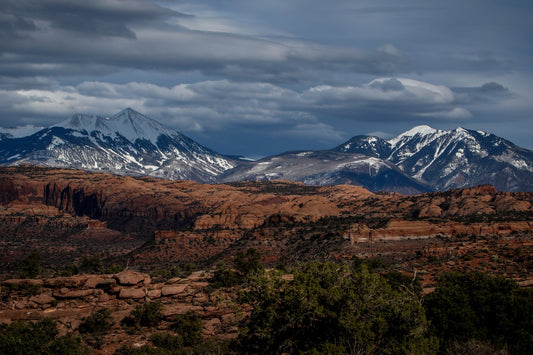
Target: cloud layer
<point x="257" y="77"/>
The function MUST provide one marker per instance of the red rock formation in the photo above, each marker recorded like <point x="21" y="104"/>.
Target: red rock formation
<point x="188" y="221"/>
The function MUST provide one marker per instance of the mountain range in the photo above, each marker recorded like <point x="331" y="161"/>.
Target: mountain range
<point x="419" y="160"/>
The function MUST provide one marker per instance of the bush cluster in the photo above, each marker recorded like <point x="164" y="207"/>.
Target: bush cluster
<point x="40" y="338"/>
<point x="489" y="309"/>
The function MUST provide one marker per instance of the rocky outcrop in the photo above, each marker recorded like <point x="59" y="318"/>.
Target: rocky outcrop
<point x="185" y="221"/>
<point x="69" y="300"/>
<point x="131" y="278"/>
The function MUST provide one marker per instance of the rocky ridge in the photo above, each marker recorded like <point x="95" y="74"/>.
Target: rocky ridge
<point x="159" y="221"/>
<point x="69" y="300"/>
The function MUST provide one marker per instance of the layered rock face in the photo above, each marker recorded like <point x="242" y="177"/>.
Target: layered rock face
<point x="71" y="213"/>
<point x="70" y="300"/>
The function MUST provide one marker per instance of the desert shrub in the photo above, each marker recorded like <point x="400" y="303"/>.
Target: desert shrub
<point x="30" y="265"/>
<point x="24" y="288"/>
<point x="399" y="281"/>
<point x="68" y="345"/>
<point x="69" y="270"/>
<point x="248" y="262"/>
<point x="162" y="275"/>
<point x="225" y="276"/>
<point x="482" y="307"/>
<point x="91" y="264"/>
<point x="114" y="269"/>
<point x="27" y="338"/>
<point x="189" y="327"/>
<point x="100" y="321"/>
<point x="473" y="347"/>
<point x="245" y="264"/>
<point x="212" y="347"/>
<point x="167" y="341"/>
<point x="330" y="308"/>
<point x="372" y="264"/>
<point x="147" y="314"/>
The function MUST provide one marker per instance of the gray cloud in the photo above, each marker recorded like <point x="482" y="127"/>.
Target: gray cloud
<point x="490" y="92"/>
<point x="213" y="106"/>
<point x="391" y="84"/>
<point x="91" y="18"/>
<point x="268" y="75"/>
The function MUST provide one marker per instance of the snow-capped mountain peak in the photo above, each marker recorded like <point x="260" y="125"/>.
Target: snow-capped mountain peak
<point x="127" y="143"/>
<point x="451" y="159"/>
<point x="134" y="125"/>
<point x="128" y="123"/>
<point x="422" y="130"/>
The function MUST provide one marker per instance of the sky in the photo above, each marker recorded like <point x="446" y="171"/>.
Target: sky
<point x="257" y="78"/>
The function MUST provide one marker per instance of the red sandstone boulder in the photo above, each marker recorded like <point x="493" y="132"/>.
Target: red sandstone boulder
<point x="172" y="290"/>
<point x="76" y="281"/>
<point x="42" y="299"/>
<point x="65" y="293"/>
<point x="131" y="278"/>
<point x="132" y="293"/>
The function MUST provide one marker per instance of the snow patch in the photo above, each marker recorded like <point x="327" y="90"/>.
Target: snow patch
<point x="56" y="141"/>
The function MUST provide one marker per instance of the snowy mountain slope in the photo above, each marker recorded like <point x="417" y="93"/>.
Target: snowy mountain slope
<point x="420" y="159"/>
<point x="127" y="143"/>
<point x="452" y="159"/>
<point x="327" y="168"/>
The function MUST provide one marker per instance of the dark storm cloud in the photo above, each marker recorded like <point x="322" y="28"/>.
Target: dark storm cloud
<point x="290" y="72"/>
<point x="14" y="26"/>
<point x="52" y="37"/>
<point x="93" y="18"/>
<point x="490" y="92"/>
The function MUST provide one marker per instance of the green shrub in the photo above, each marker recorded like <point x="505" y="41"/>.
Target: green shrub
<point x="330" y="308"/>
<point x="148" y="314"/>
<point x="26" y="338"/>
<point x="167" y="341"/>
<point x="248" y="262"/>
<point x="100" y="321"/>
<point x="114" y="269"/>
<point x="166" y="274"/>
<point x="399" y="281"/>
<point x="68" y="345"/>
<point x="225" y="277"/>
<point x="30" y="265"/>
<point x="482" y="307"/>
<point x="69" y="270"/>
<point x="473" y="347"/>
<point x="91" y="265"/>
<point x="370" y="263"/>
<point x="24" y="288"/>
<point x="189" y="327"/>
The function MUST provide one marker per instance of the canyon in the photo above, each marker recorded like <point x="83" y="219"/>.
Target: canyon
<point x="67" y="214"/>
<point x="145" y="225"/>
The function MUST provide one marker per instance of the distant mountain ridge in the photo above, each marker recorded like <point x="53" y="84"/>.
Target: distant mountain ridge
<point x="127" y="143"/>
<point x="419" y="160"/>
<point x="328" y="168"/>
<point x="451" y="159"/>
